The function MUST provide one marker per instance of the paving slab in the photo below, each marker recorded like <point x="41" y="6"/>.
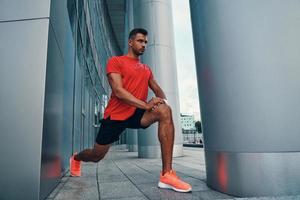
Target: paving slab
<point x="117" y="190"/>
<point x="122" y="175"/>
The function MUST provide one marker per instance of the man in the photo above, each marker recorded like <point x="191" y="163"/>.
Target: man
<point x="127" y="108"/>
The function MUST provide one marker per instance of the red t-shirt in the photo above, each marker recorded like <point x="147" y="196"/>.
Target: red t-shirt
<point x="135" y="78"/>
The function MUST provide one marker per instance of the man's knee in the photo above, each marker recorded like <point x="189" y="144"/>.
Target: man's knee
<point x="164" y="111"/>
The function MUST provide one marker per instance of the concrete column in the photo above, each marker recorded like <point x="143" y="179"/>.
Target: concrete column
<point x="131" y="134"/>
<point x="247" y="56"/>
<point x="132" y="140"/>
<point x="156" y="17"/>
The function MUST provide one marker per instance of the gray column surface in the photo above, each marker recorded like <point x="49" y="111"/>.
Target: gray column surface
<point x="23" y="55"/>
<point x="131" y="134"/>
<point x="156" y="17"/>
<point x="247" y="56"/>
<point x="132" y="140"/>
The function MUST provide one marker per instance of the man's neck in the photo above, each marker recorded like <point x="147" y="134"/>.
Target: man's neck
<point x="132" y="55"/>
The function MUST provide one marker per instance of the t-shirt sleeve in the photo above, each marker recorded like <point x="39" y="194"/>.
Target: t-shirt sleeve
<point x="113" y="66"/>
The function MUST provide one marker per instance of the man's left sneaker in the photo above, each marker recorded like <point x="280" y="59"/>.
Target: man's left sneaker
<point x="75" y="168"/>
<point x="171" y="181"/>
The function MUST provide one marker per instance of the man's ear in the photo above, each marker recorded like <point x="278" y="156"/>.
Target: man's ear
<point x="130" y="42"/>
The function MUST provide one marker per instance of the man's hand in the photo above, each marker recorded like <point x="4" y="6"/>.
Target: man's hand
<point x="157" y="100"/>
<point x="154" y="102"/>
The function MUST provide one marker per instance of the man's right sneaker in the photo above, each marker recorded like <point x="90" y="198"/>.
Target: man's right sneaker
<point x="171" y="181"/>
<point x="75" y="168"/>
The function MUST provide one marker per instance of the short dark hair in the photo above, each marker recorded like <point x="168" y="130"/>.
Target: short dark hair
<point x="135" y="31"/>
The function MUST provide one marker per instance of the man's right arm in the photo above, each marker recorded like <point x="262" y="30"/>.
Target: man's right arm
<point x="115" y="81"/>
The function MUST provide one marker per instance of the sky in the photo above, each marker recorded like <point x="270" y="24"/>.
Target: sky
<point x="186" y="68"/>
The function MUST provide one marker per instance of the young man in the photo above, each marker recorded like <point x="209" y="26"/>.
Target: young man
<point x="127" y="108"/>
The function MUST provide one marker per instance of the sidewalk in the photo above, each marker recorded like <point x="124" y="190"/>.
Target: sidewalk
<point x="122" y="175"/>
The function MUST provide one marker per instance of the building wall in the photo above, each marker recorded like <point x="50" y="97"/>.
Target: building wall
<point x="187" y="122"/>
<point x="192" y="137"/>
<point x="80" y="43"/>
<point x="23" y="52"/>
<point x="53" y="88"/>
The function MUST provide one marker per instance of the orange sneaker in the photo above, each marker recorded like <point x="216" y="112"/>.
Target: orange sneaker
<point x="75" y="168"/>
<point x="171" y="181"/>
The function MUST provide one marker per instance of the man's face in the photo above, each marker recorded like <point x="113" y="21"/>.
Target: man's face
<point x="138" y="44"/>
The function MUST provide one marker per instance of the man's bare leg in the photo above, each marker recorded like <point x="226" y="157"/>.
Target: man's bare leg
<point x="163" y="115"/>
<point x="93" y="155"/>
<point x="166" y="138"/>
<point x="168" y="179"/>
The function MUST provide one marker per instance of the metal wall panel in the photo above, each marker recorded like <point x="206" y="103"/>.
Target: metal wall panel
<point x="59" y="18"/>
<point x="69" y="70"/>
<point x="21" y="10"/>
<point x="53" y="118"/>
<point x="58" y="121"/>
<point x="23" y="55"/>
<point x="86" y="116"/>
<point x="48" y="111"/>
<point x="92" y="120"/>
<point x="77" y="110"/>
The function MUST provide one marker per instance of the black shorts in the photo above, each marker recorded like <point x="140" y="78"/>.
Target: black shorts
<point x="110" y="130"/>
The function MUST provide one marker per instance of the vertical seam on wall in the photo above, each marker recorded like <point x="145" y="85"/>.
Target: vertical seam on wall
<point x="154" y="36"/>
<point x="56" y="40"/>
<point x="74" y="80"/>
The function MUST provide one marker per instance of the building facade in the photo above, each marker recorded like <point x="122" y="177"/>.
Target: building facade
<point x="60" y="90"/>
<point x="187" y="122"/>
<point x="54" y="88"/>
<point x="189" y="132"/>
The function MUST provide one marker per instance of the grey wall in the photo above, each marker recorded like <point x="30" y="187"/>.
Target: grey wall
<point x="57" y="134"/>
<point x="77" y="128"/>
<point x="73" y="85"/>
<point x="52" y="77"/>
<point x="24" y="10"/>
<point x="53" y="118"/>
<point x="23" y="55"/>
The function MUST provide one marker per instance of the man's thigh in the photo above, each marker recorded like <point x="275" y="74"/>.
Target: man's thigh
<point x="149" y="118"/>
<point x="152" y="116"/>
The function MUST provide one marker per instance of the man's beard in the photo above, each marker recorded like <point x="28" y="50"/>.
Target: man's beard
<point x="138" y="53"/>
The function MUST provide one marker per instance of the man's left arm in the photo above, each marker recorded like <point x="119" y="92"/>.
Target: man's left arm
<point x="156" y="89"/>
